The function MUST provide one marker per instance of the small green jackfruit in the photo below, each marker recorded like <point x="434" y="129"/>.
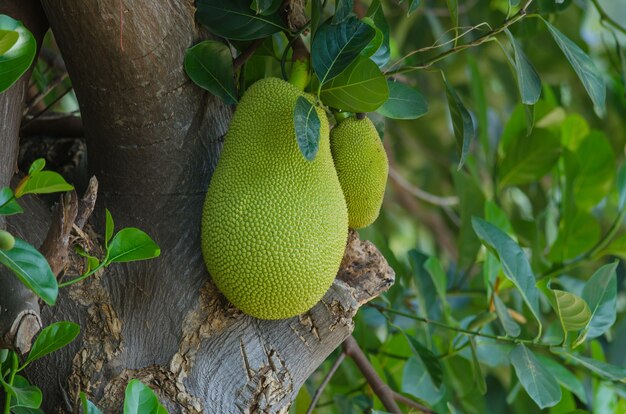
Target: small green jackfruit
<point x="362" y="167"/>
<point x="274" y="225"/>
<point x="7" y="241"/>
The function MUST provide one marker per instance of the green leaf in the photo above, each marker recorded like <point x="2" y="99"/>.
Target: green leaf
<point x="528" y="158"/>
<point x="574" y="129"/>
<point x="510" y="326"/>
<point x="440" y="281"/>
<point x="528" y="80"/>
<point x="37" y="166"/>
<point x="538" y="382"/>
<point x="462" y="123"/>
<point x="360" y="88"/>
<point x="600" y="293"/>
<point x="26" y="410"/>
<point x="43" y="182"/>
<point x="621" y="186"/>
<point x="316" y="16"/>
<point x="335" y="47"/>
<point x="15" y="61"/>
<point x="88" y="406"/>
<point x="32" y="269"/>
<point x="604" y="370"/>
<point x="132" y="244"/>
<point x="307" y="127"/>
<point x="417" y="381"/>
<point x="564" y="376"/>
<point x="479" y="376"/>
<point x="139" y="399"/>
<point x="584" y="67"/>
<point x="404" y="102"/>
<point x="375" y="43"/>
<point x="109" y="227"/>
<point x="265" y="7"/>
<point x="472" y="202"/>
<point x="514" y="263"/>
<point x="431" y="362"/>
<point x="51" y="338"/>
<point x="4" y="354"/>
<point x="234" y="19"/>
<point x="578" y="233"/>
<point x="412" y="6"/>
<point x="453" y="8"/>
<point x="209" y="64"/>
<point x="23" y="394"/>
<point x="343" y="9"/>
<point x="8" y="205"/>
<point x="377" y="14"/>
<point x="572" y="310"/>
<point x="7" y="39"/>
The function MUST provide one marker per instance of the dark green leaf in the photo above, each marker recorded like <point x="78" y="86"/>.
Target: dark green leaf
<point x="210" y="65"/>
<point x="564" y="376"/>
<point x="7" y="39"/>
<point x="360" y="88"/>
<point x="514" y="262"/>
<point x="572" y="310"/>
<point x="109" y="227"/>
<point x="608" y="371"/>
<point x="528" y="158"/>
<point x="43" y="182"/>
<point x="88" y="406"/>
<point x="432" y="364"/>
<point x="600" y="293"/>
<point x="440" y="281"/>
<point x="16" y="60"/>
<point x="479" y="376"/>
<point x="26" y="410"/>
<point x="480" y="102"/>
<point x="32" y="269"/>
<point x="472" y="201"/>
<point x="578" y="233"/>
<point x="462" y="123"/>
<point x="343" y="9"/>
<point x="412" y="6"/>
<point x="265" y="7"/>
<point x="584" y="67"/>
<point x="23" y="394"/>
<point x="307" y="127"/>
<point x="132" y="244"/>
<point x="510" y="326"/>
<point x="234" y="19"/>
<point x="453" y="8"/>
<point x="417" y="381"/>
<point x="538" y="382"/>
<point x="8" y="205"/>
<point x="336" y="46"/>
<point x="404" y="102"/>
<point x="528" y="80"/>
<point x="37" y="166"/>
<point x="51" y="338"/>
<point x="139" y="399"/>
<point x="376" y="42"/>
<point x="377" y="14"/>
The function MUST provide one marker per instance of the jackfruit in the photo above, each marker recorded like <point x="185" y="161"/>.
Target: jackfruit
<point x="7" y="241"/>
<point x="362" y="167"/>
<point x="274" y="225"/>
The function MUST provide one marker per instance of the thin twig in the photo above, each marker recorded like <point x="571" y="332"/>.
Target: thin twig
<point x="245" y="55"/>
<point x="605" y="17"/>
<point x="421" y="194"/>
<point x="38" y="114"/>
<point x="380" y="388"/>
<point x="320" y="390"/>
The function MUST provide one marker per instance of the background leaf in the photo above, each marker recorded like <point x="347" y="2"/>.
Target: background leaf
<point x="210" y="65"/>
<point x="307" y="126"/>
<point x="337" y="45"/>
<point x="234" y="19"/>
<point x="15" y="61"/>
<point x="32" y="269"/>
<point x="360" y="88"/>
<point x="462" y="123"/>
<point x="132" y="244"/>
<point x="528" y="80"/>
<point x="510" y="326"/>
<point x="604" y="370"/>
<point x="600" y="293"/>
<point x="404" y="102"/>
<point x="583" y="66"/>
<point x="538" y="382"/>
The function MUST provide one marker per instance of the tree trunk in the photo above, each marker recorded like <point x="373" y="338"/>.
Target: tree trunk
<point x="153" y="141"/>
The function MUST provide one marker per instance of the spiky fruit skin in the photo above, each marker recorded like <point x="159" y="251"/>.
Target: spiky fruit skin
<point x="274" y="225"/>
<point x="362" y="167"/>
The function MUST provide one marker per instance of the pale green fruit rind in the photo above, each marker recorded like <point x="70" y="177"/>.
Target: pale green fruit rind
<point x="274" y="225"/>
<point x="362" y="167"/>
<point x="7" y="241"/>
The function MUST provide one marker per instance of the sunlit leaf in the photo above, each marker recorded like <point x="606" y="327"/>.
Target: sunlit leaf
<point x="17" y="59"/>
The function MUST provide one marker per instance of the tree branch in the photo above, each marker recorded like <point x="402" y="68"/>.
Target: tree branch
<point x="604" y="17"/>
<point x="325" y="381"/>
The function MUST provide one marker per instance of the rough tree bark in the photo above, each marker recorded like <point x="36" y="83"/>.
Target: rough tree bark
<point x="153" y="142"/>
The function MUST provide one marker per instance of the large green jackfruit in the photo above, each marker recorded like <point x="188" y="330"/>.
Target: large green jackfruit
<point x="362" y="167"/>
<point x="274" y="225"/>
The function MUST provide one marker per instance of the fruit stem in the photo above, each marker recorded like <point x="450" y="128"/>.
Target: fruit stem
<point x="340" y="116"/>
<point x="299" y="76"/>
